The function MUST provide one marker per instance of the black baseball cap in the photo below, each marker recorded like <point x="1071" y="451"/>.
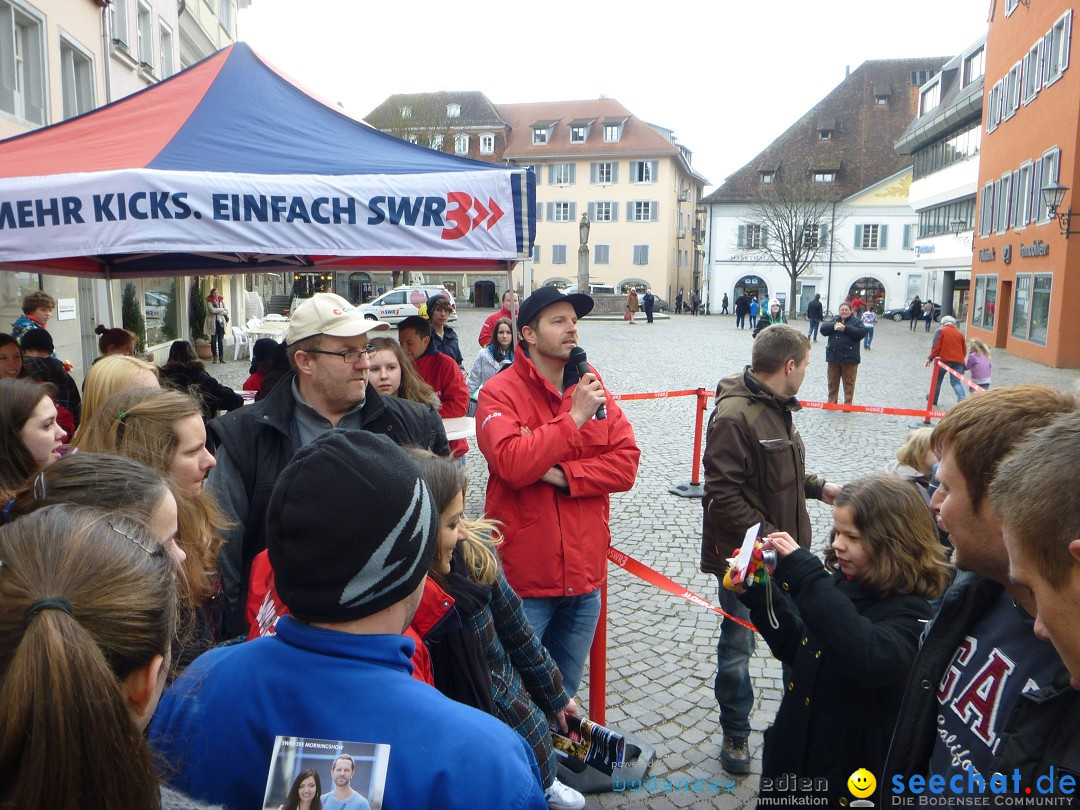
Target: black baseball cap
<point x="546" y="296"/>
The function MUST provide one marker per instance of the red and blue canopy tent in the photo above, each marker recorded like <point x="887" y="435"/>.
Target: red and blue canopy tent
<point x="230" y="167"/>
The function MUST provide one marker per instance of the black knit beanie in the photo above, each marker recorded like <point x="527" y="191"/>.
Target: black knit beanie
<point x="351" y="527"/>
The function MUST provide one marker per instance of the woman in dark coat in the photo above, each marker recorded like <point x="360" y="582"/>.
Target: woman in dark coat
<point x="845" y="335"/>
<point x="184" y="372"/>
<point x="915" y="311"/>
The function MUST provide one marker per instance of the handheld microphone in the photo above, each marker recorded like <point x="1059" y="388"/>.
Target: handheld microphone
<point x="578" y="358"/>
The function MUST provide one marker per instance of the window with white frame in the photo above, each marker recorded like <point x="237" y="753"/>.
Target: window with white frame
<point x="560" y="212"/>
<point x="612" y="133"/>
<point x="1056" y="48"/>
<point x="767" y="177"/>
<point x="406" y="111"/>
<point x="1047" y="174"/>
<point x="535" y="255"/>
<point x="168" y="63"/>
<point x="751" y="237"/>
<point x="461" y="144"/>
<point x="642" y="211"/>
<point x="871" y="237"/>
<point x="1010" y="6"/>
<point x="558" y="254"/>
<point x="435" y="141"/>
<point x="121" y="22"/>
<point x="930" y="98"/>
<point x="77" y="78"/>
<point x="487" y="144"/>
<point x="1022" y="207"/>
<point x="986" y="209"/>
<point x="993" y="107"/>
<point x="144" y="31"/>
<point x="824" y="177"/>
<point x="561" y="174"/>
<point x="602" y="254"/>
<point x="453" y="110"/>
<point x="225" y="16"/>
<point x="811" y="236"/>
<point x="974" y="66"/>
<point x="1004" y="203"/>
<point x="539" y="136"/>
<point x="1011" y="101"/>
<point x="1032" y="73"/>
<point x="22" y="63"/>
<point x="644" y="171"/>
<point x="578" y="133"/>
<point x="641" y="254"/>
<point x="984" y="303"/>
<point x="603" y="211"/>
<point x="604" y="172"/>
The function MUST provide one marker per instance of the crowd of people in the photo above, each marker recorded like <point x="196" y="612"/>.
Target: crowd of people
<point x="206" y="604"/>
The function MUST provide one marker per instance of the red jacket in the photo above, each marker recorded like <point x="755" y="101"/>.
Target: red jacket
<point x="556" y="541"/>
<point x="442" y="373"/>
<point x="264" y="608"/>
<point x="435" y="604"/>
<point x="489" y="326"/>
<point x="950" y="346"/>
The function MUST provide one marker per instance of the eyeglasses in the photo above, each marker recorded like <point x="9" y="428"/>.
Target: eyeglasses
<point x="349" y="358"/>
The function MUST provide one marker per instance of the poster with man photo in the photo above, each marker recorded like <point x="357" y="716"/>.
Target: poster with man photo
<point x="336" y="774"/>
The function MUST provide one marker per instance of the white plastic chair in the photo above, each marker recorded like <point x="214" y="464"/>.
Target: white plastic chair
<point x="275" y="318"/>
<point x="253" y="322"/>
<point x="240" y="340"/>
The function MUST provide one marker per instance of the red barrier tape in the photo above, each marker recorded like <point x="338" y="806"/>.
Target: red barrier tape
<point x="642" y="571"/>
<point x="832" y="406"/>
<point x="972" y="385"/>
<point x="655" y="395"/>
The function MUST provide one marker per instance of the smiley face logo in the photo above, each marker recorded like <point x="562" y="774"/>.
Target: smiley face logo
<point x="861" y="783"/>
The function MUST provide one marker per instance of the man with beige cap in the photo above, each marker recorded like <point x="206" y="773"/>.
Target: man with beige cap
<point x="327" y="344"/>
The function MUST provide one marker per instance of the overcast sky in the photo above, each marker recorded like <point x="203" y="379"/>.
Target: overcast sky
<point x="727" y="77"/>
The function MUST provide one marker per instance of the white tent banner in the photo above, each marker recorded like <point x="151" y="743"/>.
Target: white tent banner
<point x="454" y="215"/>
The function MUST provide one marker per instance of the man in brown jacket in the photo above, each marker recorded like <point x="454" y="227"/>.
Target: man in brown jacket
<point x="754" y="473"/>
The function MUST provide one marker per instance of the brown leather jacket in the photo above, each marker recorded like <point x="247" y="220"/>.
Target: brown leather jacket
<point x="755" y="470"/>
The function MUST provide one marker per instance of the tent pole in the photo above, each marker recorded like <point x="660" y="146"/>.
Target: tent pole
<point x="510" y="286"/>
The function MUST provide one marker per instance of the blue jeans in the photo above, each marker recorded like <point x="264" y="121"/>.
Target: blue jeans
<point x="958" y="386"/>
<point x="813" y="333"/>
<point x="733" y="690"/>
<point x="869" y="337"/>
<point x="217" y="342"/>
<point x="565" y="625"/>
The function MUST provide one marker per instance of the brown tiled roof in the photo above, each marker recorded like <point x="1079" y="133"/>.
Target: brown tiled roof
<point x="429" y="111"/>
<point x="638" y="138"/>
<point x="861" y="146"/>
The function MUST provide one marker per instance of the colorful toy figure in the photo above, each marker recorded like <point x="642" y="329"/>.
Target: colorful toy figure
<point x="757" y="571"/>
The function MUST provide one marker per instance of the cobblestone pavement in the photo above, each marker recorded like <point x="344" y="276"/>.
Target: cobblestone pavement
<point x="662" y="650"/>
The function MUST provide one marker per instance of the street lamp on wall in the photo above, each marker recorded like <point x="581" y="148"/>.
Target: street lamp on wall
<point x="1052" y="197"/>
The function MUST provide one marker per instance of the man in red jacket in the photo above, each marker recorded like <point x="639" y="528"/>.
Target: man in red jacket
<point x="950" y="347"/>
<point x="486" y="330"/>
<point x="552" y="467"/>
<point x="437" y="370"/>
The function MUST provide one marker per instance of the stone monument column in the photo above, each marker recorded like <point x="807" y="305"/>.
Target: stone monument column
<point x="583" y="255"/>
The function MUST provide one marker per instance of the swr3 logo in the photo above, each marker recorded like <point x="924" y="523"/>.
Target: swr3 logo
<point x="465" y="212"/>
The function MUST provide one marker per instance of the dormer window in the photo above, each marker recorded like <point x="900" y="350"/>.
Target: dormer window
<point x="929" y="98"/>
<point x="767" y="177"/>
<point x="540" y="136"/>
<point x="825" y="129"/>
<point x="824" y="177"/>
<point x="824" y="134"/>
<point x="613" y="129"/>
<point x="881" y="101"/>
<point x="882" y="93"/>
<point x="406" y="112"/>
<point x="578" y="134"/>
<point x="453" y="110"/>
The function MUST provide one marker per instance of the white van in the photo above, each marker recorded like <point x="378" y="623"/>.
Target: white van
<point x="401" y="302"/>
<point x="594" y="289"/>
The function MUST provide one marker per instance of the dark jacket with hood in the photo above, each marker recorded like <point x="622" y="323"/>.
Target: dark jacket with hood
<point x="192" y="378"/>
<point x="448" y="344"/>
<point x="755" y="470"/>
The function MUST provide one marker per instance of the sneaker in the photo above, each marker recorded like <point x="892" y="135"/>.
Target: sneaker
<point x="735" y="755"/>
<point x="561" y="797"/>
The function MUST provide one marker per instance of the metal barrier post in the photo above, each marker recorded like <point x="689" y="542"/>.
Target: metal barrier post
<point x="598" y="663"/>
<point x="929" y="398"/>
<point x="694" y="489"/>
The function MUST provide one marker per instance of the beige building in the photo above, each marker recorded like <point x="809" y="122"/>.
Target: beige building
<point x="633" y="181"/>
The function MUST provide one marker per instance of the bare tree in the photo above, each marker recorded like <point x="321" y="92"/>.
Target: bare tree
<point x="792" y="225"/>
<point x="419" y="119"/>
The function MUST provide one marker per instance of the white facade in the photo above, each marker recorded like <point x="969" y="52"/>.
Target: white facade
<point x="873" y="237"/>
